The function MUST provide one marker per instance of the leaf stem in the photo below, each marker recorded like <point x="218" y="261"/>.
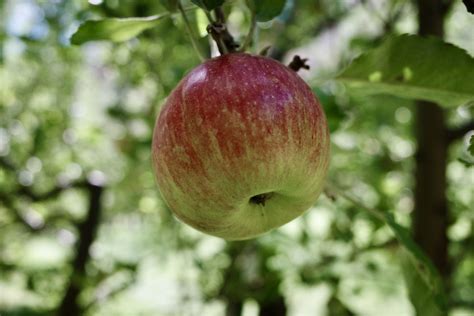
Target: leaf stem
<point x="341" y="192"/>
<point x="209" y="16"/>
<point x="190" y="32"/>
<point x="250" y="34"/>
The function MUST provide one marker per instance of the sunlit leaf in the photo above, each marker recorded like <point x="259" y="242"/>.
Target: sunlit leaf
<point x="208" y="4"/>
<point x="266" y="10"/>
<point x="113" y="29"/>
<point x="414" y="67"/>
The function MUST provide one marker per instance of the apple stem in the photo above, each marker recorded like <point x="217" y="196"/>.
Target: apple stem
<point x="215" y="29"/>
<point x="220" y="33"/>
<point x="297" y="63"/>
<point x="190" y="32"/>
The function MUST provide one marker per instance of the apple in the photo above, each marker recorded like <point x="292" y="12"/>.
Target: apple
<point x="240" y="147"/>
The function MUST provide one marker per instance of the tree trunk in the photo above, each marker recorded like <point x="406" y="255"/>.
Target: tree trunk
<point x="233" y="308"/>
<point x="274" y="308"/>
<point x="431" y="214"/>
<point x="87" y="229"/>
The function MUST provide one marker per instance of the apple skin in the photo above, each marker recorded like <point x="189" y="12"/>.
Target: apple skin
<point x="240" y="147"/>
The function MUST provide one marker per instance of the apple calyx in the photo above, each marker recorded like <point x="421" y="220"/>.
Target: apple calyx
<point x="260" y="199"/>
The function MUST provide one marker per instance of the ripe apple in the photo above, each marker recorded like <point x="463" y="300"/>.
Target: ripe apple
<point x="240" y="147"/>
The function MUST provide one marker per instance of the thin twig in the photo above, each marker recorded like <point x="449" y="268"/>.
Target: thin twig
<point x="265" y="50"/>
<point x="52" y="193"/>
<point x="7" y="164"/>
<point x="373" y="10"/>
<point x="34" y="196"/>
<point x="190" y="32"/>
<point x="9" y="204"/>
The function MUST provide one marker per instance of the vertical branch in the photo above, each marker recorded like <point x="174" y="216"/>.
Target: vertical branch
<point x="87" y="230"/>
<point x="431" y="215"/>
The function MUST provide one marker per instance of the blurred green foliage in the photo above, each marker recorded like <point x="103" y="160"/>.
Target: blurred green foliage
<point x="71" y="113"/>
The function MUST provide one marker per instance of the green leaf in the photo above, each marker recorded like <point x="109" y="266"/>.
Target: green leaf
<point x="114" y="29"/>
<point x="334" y="113"/>
<point x="424" y="284"/>
<point x="265" y="10"/>
<point x="419" y="293"/>
<point x="414" y="67"/>
<point x="208" y="4"/>
<point x="170" y="5"/>
<point x="431" y="299"/>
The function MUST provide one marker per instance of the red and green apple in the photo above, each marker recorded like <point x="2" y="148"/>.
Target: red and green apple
<point x="240" y="147"/>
